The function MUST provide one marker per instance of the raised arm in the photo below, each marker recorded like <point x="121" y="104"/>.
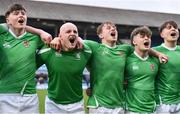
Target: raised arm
<point x="45" y="37"/>
<point x="162" y="57"/>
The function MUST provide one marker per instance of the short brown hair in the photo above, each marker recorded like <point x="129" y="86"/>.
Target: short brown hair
<point x="164" y="25"/>
<point x="14" y="7"/>
<point x="143" y="30"/>
<point x="99" y="28"/>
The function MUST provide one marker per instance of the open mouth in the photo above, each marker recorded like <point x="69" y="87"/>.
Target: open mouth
<point x="146" y="43"/>
<point x="72" y="39"/>
<point x="21" y="21"/>
<point x="113" y="34"/>
<point x="173" y="34"/>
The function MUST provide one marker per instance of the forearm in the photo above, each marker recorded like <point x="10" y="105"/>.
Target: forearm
<point x="162" y="57"/>
<point x="153" y="52"/>
<point x="34" y="30"/>
<point x="45" y="37"/>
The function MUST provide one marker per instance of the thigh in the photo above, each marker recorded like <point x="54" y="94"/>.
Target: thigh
<point x="163" y="108"/>
<point x="175" y="108"/>
<point x="129" y="112"/>
<point x="17" y="104"/>
<point x="168" y="109"/>
<point x="29" y="104"/>
<point x="9" y="104"/>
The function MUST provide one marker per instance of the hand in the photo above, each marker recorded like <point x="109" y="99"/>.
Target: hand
<point x="46" y="37"/>
<point x="163" y="58"/>
<point x="56" y="44"/>
<point x="79" y="43"/>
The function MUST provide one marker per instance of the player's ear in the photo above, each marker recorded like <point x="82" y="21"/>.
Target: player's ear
<point x="134" y="43"/>
<point x="162" y="35"/>
<point x="100" y="36"/>
<point x="7" y="20"/>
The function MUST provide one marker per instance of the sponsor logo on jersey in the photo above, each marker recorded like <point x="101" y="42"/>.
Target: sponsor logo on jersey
<point x="6" y="45"/>
<point x="58" y="54"/>
<point x="135" y="67"/>
<point x="152" y="67"/>
<point x="44" y="50"/>
<point x="78" y="56"/>
<point x="88" y="51"/>
<point x="26" y="43"/>
<point x="120" y="53"/>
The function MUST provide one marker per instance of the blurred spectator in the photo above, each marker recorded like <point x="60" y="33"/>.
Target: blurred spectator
<point x="42" y="78"/>
<point x="86" y="79"/>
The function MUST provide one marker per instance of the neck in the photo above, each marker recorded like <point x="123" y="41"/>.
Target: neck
<point x="65" y="48"/>
<point x="142" y="54"/>
<point x="110" y="44"/>
<point x="17" y="32"/>
<point x="170" y="44"/>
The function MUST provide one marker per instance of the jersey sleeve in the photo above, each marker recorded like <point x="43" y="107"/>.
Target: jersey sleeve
<point x="92" y="44"/>
<point x="3" y="27"/>
<point x="43" y="55"/>
<point x="40" y="43"/>
<point x="157" y="48"/>
<point x="128" y="48"/>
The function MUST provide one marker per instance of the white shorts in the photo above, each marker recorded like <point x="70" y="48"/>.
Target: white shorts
<point x="128" y="112"/>
<point x="53" y="108"/>
<point x="168" y="109"/>
<point x="103" y="110"/>
<point x="18" y="104"/>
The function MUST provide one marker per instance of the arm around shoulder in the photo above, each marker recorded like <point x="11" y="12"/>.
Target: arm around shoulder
<point x="45" y="37"/>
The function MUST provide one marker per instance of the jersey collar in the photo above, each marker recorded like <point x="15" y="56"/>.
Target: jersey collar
<point x="143" y="59"/>
<point x="15" y="35"/>
<point x="171" y="49"/>
<point x="109" y="46"/>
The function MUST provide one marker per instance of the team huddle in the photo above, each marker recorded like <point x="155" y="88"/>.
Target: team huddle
<point x="124" y="79"/>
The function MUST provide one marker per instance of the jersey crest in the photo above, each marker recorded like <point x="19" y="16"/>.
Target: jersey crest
<point x="105" y="52"/>
<point x="152" y="67"/>
<point x="26" y="43"/>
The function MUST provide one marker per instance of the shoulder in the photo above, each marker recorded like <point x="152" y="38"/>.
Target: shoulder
<point x="90" y="42"/>
<point x="178" y="47"/>
<point x="87" y="50"/>
<point x="128" y="49"/>
<point x="3" y="28"/>
<point x="158" y="48"/>
<point x="44" y="49"/>
<point x="125" y="46"/>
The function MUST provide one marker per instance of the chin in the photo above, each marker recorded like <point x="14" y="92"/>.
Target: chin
<point x="72" y="47"/>
<point x="21" y="27"/>
<point x="146" y="49"/>
<point x="114" y="40"/>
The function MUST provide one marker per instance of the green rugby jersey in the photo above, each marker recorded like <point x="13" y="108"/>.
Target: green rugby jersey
<point x="107" y="74"/>
<point x="65" y="71"/>
<point x="3" y="28"/>
<point x="168" y="80"/>
<point x="140" y="75"/>
<point x="18" y="65"/>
